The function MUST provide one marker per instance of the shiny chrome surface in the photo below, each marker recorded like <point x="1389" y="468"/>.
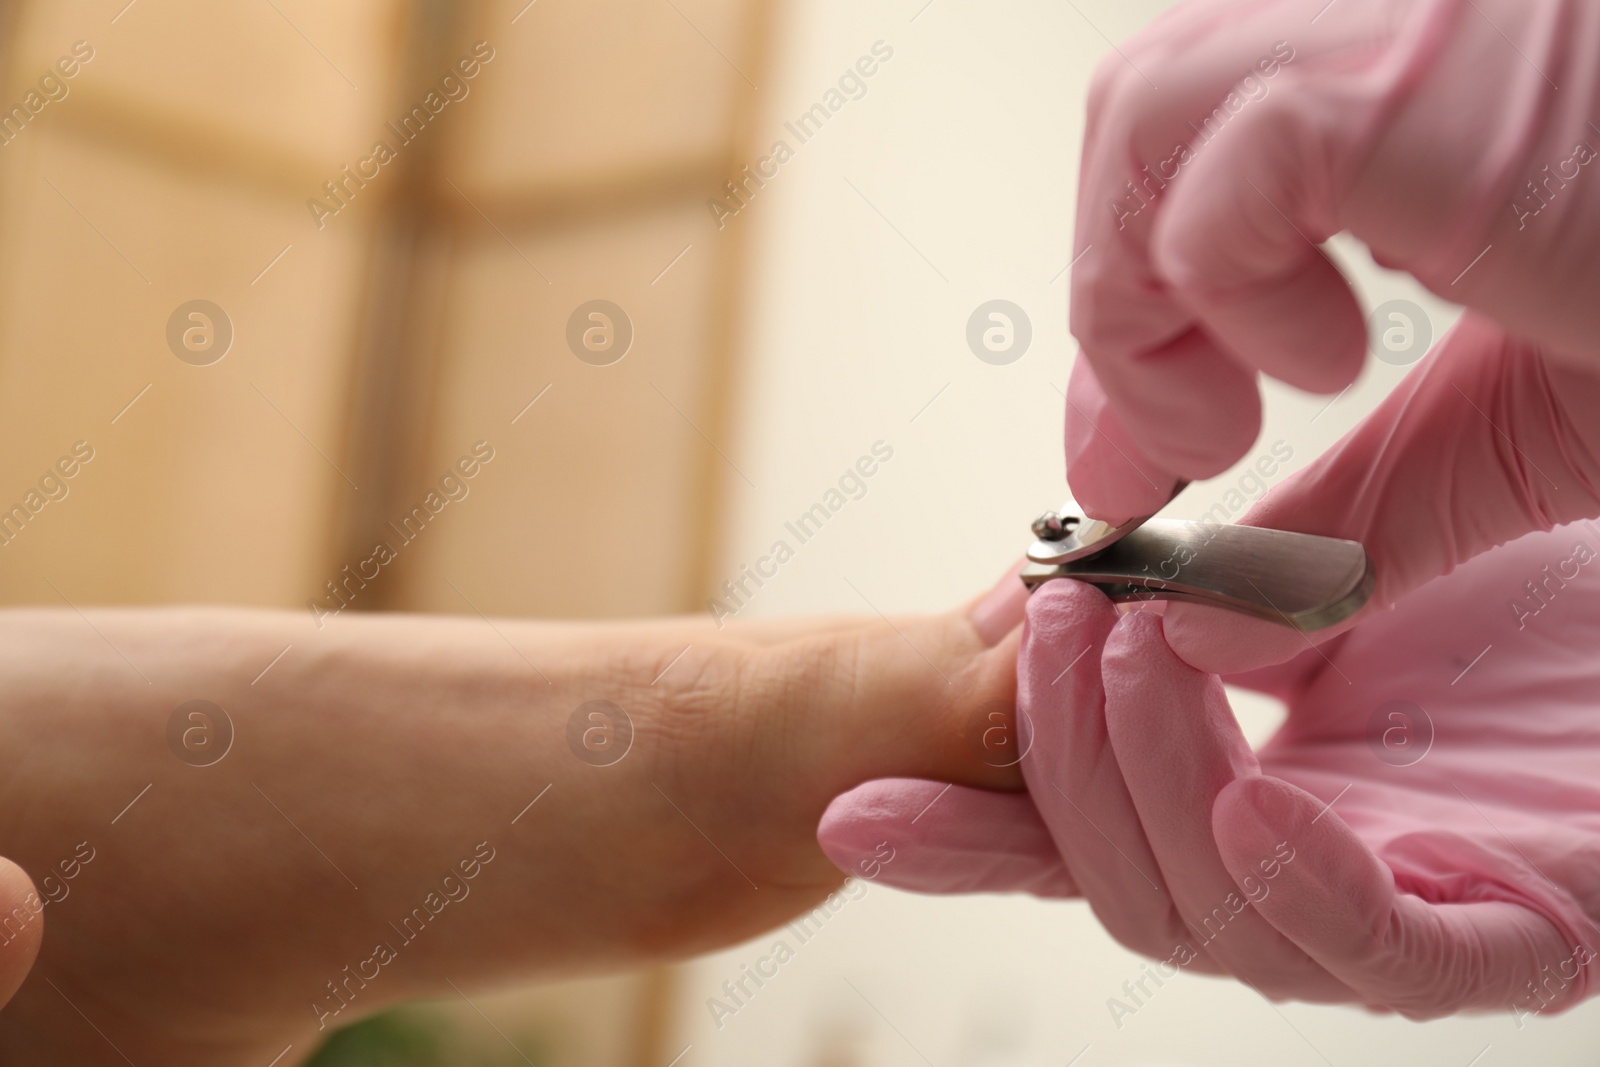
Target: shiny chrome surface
<point x="1299" y="580"/>
<point x="1062" y="537"/>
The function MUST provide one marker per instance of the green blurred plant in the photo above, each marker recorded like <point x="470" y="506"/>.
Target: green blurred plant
<point x="416" y="1037"/>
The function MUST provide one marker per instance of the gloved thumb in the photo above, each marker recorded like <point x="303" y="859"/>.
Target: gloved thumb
<point x="1425" y="953"/>
<point x="1486" y="440"/>
<point x="936" y="837"/>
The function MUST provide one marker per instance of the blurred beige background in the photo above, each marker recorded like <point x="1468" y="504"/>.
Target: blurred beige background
<point x="772" y="346"/>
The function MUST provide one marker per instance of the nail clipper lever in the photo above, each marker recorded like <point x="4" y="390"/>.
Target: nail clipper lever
<point x="1296" y="579"/>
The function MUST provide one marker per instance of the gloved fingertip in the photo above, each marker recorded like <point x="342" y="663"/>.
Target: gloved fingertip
<point x="1138" y="645"/>
<point x="1256" y="809"/>
<point x="1111" y="477"/>
<point x="1171" y="725"/>
<point x="1219" y="641"/>
<point x="1060" y="655"/>
<point x="1105" y="485"/>
<point x="1064" y="617"/>
<point x="1301" y="865"/>
<point x="851" y="830"/>
<point x="1185" y="409"/>
<point x="932" y="837"/>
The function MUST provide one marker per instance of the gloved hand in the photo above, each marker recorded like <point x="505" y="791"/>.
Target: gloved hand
<point x="1422" y="835"/>
<point x="1457" y="139"/>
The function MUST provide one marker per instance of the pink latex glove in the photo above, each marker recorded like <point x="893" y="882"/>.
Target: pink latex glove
<point x="1456" y="138"/>
<point x="1359" y="856"/>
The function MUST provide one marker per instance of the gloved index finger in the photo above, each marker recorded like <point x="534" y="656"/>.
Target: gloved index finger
<point x="1072" y="773"/>
<point x="1175" y="349"/>
<point x="1176" y="740"/>
<point x="1164" y="394"/>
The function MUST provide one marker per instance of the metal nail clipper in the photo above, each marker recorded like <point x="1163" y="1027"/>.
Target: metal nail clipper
<point x="1296" y="579"/>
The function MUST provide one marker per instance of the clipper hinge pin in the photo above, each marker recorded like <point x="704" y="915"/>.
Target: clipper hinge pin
<point x="1052" y="527"/>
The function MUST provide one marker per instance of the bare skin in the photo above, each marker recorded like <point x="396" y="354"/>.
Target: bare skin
<point x="219" y="913"/>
